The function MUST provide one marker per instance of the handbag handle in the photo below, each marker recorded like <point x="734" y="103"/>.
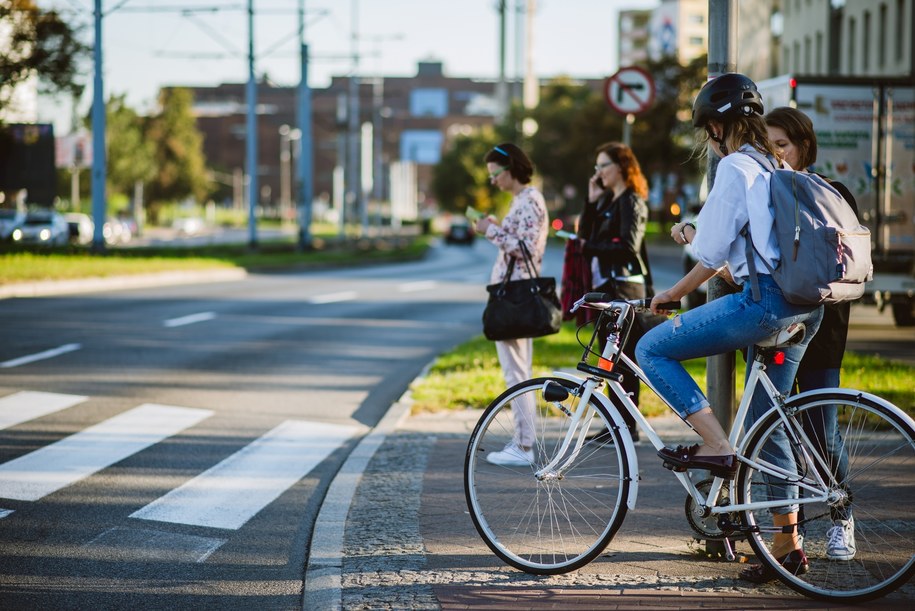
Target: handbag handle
<point x="528" y="260"/>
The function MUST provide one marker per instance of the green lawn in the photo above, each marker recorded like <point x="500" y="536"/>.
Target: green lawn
<point x="20" y="265"/>
<point x="469" y="377"/>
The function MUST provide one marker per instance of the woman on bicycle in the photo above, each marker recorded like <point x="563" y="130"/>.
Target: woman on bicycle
<point x="729" y="111"/>
<point x="527" y="221"/>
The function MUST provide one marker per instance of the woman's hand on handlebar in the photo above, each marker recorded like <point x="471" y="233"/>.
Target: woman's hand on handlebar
<point x="665" y="298"/>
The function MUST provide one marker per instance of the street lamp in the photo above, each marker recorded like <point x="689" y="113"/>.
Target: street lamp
<point x="288" y="135"/>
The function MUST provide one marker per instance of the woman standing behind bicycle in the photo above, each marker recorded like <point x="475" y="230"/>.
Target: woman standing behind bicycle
<point x="729" y="110"/>
<point x="612" y="229"/>
<point x="526" y="221"/>
<point x="791" y="133"/>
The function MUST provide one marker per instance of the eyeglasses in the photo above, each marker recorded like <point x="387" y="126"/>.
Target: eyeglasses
<point x="496" y="173"/>
<point x="601" y="166"/>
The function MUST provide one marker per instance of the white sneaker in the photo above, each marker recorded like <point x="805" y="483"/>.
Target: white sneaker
<point x="840" y="544"/>
<point x="511" y="456"/>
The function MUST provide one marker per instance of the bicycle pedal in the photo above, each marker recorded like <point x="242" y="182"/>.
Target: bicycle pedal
<point x="673" y="467"/>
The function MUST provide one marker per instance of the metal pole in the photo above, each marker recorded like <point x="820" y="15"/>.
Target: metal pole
<point x="353" y="166"/>
<point x="720" y="369"/>
<point x="722" y="57"/>
<point x="501" y="85"/>
<point x="305" y="181"/>
<point x="251" y="132"/>
<point x="99" y="162"/>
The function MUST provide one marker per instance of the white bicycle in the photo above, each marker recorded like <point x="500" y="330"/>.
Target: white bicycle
<point x="560" y="512"/>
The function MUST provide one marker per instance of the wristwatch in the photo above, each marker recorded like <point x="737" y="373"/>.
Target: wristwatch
<point x="682" y="234"/>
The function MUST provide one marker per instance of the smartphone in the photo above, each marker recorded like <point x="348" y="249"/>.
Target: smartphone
<point x="565" y="235"/>
<point x="599" y="182"/>
<point x="473" y="214"/>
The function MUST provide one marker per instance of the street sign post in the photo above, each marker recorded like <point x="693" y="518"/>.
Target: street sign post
<point x="630" y="91"/>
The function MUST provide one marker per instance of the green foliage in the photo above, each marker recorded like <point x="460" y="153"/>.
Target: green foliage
<point x="38" y="43"/>
<point x="180" y="163"/>
<point x="131" y="154"/>
<point x="572" y="120"/>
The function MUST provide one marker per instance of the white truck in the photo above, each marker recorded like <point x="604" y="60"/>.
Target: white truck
<point x="866" y="139"/>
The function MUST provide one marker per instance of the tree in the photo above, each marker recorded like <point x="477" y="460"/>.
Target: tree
<point x="131" y="154"/>
<point x="40" y="44"/>
<point x="572" y="121"/>
<point x="180" y="162"/>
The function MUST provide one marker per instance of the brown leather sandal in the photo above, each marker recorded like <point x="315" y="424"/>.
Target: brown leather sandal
<point x="794" y="562"/>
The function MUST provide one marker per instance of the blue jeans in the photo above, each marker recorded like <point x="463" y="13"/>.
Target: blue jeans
<point x="822" y="426"/>
<point x="720" y="326"/>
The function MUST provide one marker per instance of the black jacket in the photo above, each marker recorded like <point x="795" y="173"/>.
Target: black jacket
<point x="614" y="232"/>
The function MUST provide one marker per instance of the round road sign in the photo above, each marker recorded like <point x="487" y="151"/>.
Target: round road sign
<point x="630" y="90"/>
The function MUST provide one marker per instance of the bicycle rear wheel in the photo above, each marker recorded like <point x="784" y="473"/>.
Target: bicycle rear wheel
<point x="874" y="494"/>
<point x="560" y="522"/>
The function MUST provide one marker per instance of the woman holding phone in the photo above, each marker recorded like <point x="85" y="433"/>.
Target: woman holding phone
<point x="612" y="230"/>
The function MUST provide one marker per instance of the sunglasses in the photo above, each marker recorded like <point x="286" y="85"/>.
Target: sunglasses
<point x="496" y="173"/>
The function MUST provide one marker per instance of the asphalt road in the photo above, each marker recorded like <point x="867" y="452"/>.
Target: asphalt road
<point x="172" y="444"/>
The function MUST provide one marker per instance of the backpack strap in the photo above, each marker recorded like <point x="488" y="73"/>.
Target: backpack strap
<point x="770" y="164"/>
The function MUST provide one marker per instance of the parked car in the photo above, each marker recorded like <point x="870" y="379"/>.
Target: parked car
<point x="47" y="227"/>
<point x="81" y="227"/>
<point x="459" y="232"/>
<point x="116" y="232"/>
<point x="10" y="218"/>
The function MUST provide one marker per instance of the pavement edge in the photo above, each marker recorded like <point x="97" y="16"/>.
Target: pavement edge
<point x="324" y="571"/>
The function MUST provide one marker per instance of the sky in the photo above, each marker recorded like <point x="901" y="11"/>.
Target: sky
<point x="148" y="44"/>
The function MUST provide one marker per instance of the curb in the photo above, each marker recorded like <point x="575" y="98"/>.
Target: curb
<point x="117" y="283"/>
<point x="324" y="572"/>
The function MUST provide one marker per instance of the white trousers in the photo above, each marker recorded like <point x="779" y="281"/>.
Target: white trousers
<point x="516" y="356"/>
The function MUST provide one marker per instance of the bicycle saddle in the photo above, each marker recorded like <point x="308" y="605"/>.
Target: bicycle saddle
<point x="790" y="335"/>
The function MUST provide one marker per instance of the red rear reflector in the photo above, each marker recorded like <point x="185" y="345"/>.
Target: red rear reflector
<point x="779" y="358"/>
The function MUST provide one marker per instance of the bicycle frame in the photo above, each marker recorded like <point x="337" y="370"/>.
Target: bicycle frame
<point x="815" y="487"/>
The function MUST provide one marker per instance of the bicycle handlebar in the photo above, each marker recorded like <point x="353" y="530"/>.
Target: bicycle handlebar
<point x="642" y="304"/>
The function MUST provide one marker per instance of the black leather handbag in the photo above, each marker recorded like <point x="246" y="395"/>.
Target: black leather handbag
<point x="522" y="308"/>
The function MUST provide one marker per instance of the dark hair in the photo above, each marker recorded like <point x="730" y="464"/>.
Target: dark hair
<point x="622" y="155"/>
<point x="513" y="158"/>
<point x="799" y="129"/>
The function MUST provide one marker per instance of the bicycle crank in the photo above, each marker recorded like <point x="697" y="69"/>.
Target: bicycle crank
<point x="711" y="527"/>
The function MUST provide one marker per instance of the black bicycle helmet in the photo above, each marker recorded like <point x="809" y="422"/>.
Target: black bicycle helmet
<point x="726" y="97"/>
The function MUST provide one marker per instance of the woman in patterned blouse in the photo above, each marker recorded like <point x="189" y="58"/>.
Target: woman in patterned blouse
<point x="527" y="221"/>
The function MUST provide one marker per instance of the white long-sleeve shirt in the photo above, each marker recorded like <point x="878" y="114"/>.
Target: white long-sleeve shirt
<point x="740" y="193"/>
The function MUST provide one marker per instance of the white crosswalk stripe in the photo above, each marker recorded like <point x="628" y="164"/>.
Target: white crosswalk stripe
<point x="225" y="496"/>
<point x="46" y="470"/>
<point x="233" y="491"/>
<point x="28" y="405"/>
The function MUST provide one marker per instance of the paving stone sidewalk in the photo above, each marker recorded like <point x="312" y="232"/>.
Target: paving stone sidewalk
<point x="409" y="542"/>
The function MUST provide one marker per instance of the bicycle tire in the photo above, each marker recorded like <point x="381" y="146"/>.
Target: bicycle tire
<point x="549" y="526"/>
<point x="878" y="488"/>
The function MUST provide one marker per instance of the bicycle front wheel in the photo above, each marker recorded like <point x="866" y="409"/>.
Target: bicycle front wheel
<point x="858" y="533"/>
<point x="553" y="522"/>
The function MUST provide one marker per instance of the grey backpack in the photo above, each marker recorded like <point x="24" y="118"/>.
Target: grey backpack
<point x="825" y="253"/>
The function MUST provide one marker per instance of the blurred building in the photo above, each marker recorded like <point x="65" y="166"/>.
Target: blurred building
<point x="412" y="120"/>
<point x="850" y="38"/>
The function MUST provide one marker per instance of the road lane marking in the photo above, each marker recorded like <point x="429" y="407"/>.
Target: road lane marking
<point x="29" y="405"/>
<point x="420" y="285"/>
<point x="334" y="297"/>
<point x="39" y="473"/>
<point x="189" y="319"/>
<point x="230" y="493"/>
<point x="152" y="545"/>
<point x="47" y="354"/>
